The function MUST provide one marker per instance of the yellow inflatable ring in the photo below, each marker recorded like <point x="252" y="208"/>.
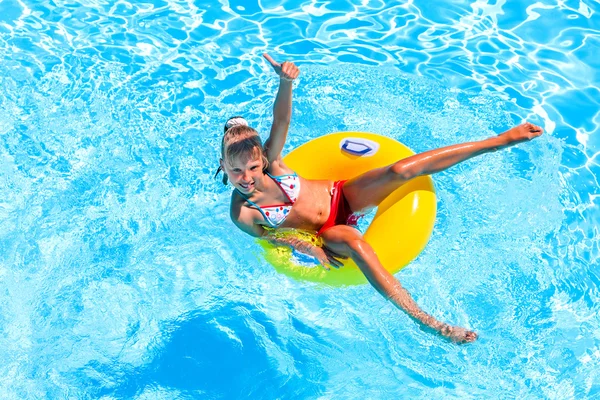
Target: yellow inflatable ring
<point x="403" y="222"/>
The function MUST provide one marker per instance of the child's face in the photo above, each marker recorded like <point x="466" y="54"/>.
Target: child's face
<point x="243" y="172"/>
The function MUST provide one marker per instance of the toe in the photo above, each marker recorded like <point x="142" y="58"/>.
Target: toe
<point x="471" y="336"/>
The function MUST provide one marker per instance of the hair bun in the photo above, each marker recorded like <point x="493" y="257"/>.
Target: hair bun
<point x="235" y="121"/>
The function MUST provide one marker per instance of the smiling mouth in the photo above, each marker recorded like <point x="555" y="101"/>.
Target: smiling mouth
<point x="247" y="186"/>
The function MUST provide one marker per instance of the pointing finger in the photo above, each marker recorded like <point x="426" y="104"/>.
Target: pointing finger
<point x="270" y="60"/>
<point x="324" y="264"/>
<point x="334" y="253"/>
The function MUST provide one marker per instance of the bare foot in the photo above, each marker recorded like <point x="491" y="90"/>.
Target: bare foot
<point x="458" y="334"/>
<point x="520" y="133"/>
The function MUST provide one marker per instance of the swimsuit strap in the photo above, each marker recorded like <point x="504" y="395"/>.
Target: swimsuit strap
<point x="276" y="177"/>
<point x="247" y="199"/>
<point x="258" y="208"/>
<point x="250" y="201"/>
<point x="275" y="215"/>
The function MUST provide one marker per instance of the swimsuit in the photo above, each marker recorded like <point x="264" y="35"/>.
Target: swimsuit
<point x="276" y="214"/>
<point x="340" y="213"/>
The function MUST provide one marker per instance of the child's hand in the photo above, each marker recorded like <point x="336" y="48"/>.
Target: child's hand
<point x="287" y="70"/>
<point x="325" y="256"/>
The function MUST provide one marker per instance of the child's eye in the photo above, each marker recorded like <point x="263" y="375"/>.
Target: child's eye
<point x="253" y="168"/>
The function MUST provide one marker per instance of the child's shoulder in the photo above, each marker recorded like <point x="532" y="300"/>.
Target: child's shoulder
<point x="237" y="211"/>
<point x="244" y="218"/>
<point x="237" y="200"/>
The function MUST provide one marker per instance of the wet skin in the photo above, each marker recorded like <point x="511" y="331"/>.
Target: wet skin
<point x="310" y="211"/>
<point x="312" y="208"/>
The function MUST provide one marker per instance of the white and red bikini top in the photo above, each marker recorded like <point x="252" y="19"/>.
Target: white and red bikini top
<point x="276" y="214"/>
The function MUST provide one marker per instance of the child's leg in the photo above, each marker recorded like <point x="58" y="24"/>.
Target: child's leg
<point x="371" y="188"/>
<point x="348" y="242"/>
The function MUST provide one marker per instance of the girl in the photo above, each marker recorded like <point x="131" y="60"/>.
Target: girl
<point x="268" y="195"/>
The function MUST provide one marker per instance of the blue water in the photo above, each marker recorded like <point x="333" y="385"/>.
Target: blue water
<point x="121" y="275"/>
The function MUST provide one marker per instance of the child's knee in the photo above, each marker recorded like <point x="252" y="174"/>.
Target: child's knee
<point x="403" y="171"/>
<point x="358" y="248"/>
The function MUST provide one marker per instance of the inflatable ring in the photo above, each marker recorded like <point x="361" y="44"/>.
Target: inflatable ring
<point x="403" y="222"/>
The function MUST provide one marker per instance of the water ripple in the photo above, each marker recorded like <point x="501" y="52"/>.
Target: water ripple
<point x="115" y="244"/>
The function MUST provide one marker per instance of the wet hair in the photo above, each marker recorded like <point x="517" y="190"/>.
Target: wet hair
<point x="240" y="139"/>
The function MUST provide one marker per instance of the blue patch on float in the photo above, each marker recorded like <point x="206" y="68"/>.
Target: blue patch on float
<point x="359" y="146"/>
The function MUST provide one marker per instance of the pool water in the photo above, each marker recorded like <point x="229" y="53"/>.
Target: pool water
<point x="121" y="275"/>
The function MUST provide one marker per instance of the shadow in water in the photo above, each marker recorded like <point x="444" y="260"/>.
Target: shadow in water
<point x="222" y="354"/>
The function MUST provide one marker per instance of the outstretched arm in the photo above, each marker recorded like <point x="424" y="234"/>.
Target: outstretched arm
<point x="282" y="109"/>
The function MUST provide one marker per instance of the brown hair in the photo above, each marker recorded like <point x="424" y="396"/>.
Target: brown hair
<point x="239" y="140"/>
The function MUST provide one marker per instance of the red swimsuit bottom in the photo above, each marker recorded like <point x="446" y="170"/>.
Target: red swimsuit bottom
<point x="340" y="213"/>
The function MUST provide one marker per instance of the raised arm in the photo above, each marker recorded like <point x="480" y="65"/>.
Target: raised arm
<point x="282" y="109"/>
